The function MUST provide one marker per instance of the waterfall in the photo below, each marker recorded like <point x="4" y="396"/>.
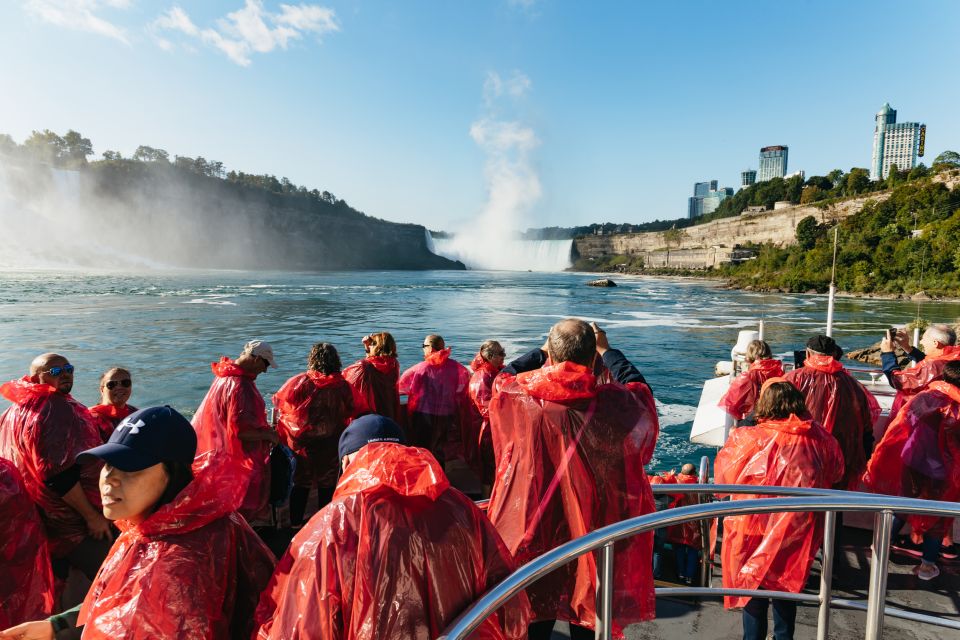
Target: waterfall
<point x="504" y="254"/>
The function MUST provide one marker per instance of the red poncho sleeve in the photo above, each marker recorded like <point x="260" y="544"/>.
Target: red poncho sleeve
<point x="313" y="407"/>
<point x="741" y="397"/>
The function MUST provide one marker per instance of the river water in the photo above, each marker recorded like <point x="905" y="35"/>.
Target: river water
<point x="166" y="327"/>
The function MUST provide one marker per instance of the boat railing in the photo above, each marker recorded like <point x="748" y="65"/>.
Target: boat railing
<point x="787" y="499"/>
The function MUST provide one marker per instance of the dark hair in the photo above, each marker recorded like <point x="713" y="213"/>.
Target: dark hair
<point x="179" y="475"/>
<point x="951" y="372"/>
<point x="324" y="358"/>
<point x="436" y="342"/>
<point x="572" y="340"/>
<point x="383" y="344"/>
<point x="779" y="400"/>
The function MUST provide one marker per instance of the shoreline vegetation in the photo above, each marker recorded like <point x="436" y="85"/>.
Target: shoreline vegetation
<point x="901" y="247"/>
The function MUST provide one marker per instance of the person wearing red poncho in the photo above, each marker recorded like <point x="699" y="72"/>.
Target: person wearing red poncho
<point x="774" y="551"/>
<point x="313" y="409"/>
<point x="185" y="565"/>
<point x="939" y="348"/>
<point x="570" y="453"/>
<point x="740" y="398"/>
<point x="231" y="421"/>
<point x="479" y="444"/>
<point x="375" y="376"/>
<point x="116" y="385"/>
<point x="686" y="538"/>
<point x="26" y="590"/>
<point x="919" y="457"/>
<point x="398" y="554"/>
<point x="41" y="434"/>
<point x="437" y="401"/>
<point x="839" y="403"/>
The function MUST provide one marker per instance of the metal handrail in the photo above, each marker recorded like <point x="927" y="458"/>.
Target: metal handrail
<point x="807" y="500"/>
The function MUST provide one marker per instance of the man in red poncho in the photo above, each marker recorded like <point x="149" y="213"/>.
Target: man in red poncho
<point x="313" y="409"/>
<point x="839" y="403"/>
<point x="740" y="398"/>
<point x="774" y="551"/>
<point x="26" y="590"/>
<point x="570" y="453"/>
<point x="375" y="376"/>
<point x="42" y="433"/>
<point x="437" y="401"/>
<point x="232" y="421"/>
<point x="919" y="457"/>
<point x="939" y="348"/>
<point x="686" y="538"/>
<point x="486" y="365"/>
<point x="398" y="554"/>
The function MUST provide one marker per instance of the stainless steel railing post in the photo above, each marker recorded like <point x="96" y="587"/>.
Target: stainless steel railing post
<point x="604" y="629"/>
<point x="706" y="566"/>
<point x="877" y="594"/>
<point x="826" y="574"/>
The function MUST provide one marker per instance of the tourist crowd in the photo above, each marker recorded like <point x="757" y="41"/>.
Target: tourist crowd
<point x="155" y="511"/>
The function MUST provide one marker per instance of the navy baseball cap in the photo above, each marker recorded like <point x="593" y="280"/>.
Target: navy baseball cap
<point x="145" y="438"/>
<point x="367" y="429"/>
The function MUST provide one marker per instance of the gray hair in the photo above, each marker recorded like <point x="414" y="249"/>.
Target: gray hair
<point x="942" y="333"/>
<point x="491" y="349"/>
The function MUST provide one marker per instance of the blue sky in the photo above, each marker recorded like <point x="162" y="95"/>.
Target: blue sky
<point x="569" y="112"/>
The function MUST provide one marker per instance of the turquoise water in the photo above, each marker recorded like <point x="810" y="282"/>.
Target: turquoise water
<point x="168" y="326"/>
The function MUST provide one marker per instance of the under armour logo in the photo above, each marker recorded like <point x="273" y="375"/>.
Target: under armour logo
<point x="133" y="426"/>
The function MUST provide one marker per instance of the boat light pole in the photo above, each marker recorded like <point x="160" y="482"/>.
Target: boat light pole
<point x="833" y="286"/>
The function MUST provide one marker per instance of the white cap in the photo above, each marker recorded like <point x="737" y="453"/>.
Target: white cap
<point x="260" y="349"/>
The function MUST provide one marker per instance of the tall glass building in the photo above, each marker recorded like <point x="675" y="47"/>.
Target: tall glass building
<point x="748" y="178"/>
<point x="773" y="163"/>
<point x="894" y="143"/>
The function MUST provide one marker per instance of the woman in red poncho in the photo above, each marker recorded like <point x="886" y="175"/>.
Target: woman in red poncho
<point x="376" y="375"/>
<point x="437" y="397"/>
<point x="116" y="385"/>
<point x="486" y="365"/>
<point x="919" y="457"/>
<point x="313" y="409"/>
<point x="185" y="565"/>
<point x="26" y="590"/>
<point x="774" y="551"/>
<point x="740" y="398"/>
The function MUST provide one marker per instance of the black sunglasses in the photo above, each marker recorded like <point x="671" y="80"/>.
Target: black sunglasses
<point x="56" y="371"/>
<point x="123" y="383"/>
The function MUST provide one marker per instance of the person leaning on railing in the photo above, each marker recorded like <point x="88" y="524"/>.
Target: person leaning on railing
<point x="774" y="551"/>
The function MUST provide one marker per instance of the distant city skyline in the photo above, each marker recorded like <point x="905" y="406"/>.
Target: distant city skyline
<point x="545" y="113"/>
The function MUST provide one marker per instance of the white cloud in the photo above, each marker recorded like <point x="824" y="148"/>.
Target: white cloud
<point x="80" y="15"/>
<point x="253" y="29"/>
<point x="515" y="86"/>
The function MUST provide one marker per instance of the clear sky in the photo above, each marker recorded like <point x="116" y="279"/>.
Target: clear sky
<point x="569" y="112"/>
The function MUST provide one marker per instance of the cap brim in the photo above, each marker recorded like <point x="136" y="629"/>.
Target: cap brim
<point x="120" y="456"/>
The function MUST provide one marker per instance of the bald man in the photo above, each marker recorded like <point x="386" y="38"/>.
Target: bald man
<point x="42" y="433"/>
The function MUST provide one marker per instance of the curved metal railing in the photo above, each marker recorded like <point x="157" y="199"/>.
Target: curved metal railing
<point x="795" y="499"/>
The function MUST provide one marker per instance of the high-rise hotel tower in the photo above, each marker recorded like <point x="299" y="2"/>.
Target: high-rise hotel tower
<point x="895" y="143"/>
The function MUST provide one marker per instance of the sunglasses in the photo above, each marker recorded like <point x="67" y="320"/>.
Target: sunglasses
<point x="56" y="371"/>
<point x="428" y="346"/>
<point x="123" y="383"/>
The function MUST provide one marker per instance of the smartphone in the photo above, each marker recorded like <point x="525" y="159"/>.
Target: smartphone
<point x="892" y="334"/>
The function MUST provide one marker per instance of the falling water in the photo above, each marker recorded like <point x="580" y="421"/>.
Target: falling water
<point x="504" y="254"/>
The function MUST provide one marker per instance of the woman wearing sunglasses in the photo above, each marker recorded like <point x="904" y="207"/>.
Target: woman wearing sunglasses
<point x="116" y="385"/>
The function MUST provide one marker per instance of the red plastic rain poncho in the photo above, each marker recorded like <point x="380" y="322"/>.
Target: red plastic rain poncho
<point x="109" y="417"/>
<point x="26" y="587"/>
<point x="842" y="406"/>
<point x="919" y="455"/>
<point x="774" y="551"/>
<point x="477" y="441"/>
<point x="42" y="434"/>
<point x="744" y="390"/>
<point x="313" y="410"/>
<point x="437" y="404"/>
<point x="375" y="377"/>
<point x="570" y="455"/>
<point x="688" y="533"/>
<point x="232" y="406"/>
<point x="911" y="381"/>
<point x="191" y="570"/>
<point x="398" y="554"/>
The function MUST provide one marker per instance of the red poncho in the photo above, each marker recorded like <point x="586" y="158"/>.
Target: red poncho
<point x="192" y="570"/>
<point x="570" y="455"/>
<point x="437" y="389"/>
<point x="233" y="405"/>
<point x="398" y="554"/>
<point x="842" y="406"/>
<point x="744" y="390"/>
<point x="109" y="416"/>
<point x="919" y="455"/>
<point x="477" y="442"/>
<point x="911" y="381"/>
<point x="774" y="551"/>
<point x="26" y="587"/>
<point x="42" y="434"/>
<point x="375" y="377"/>
<point x="688" y="533"/>
<point x="313" y="410"/>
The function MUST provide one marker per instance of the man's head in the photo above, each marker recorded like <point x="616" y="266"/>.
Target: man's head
<point x="572" y="339"/>
<point x="688" y="470"/>
<point x="324" y="358"/>
<point x="256" y="358"/>
<point x="492" y="352"/>
<point x="936" y="337"/>
<point x="432" y="343"/>
<point x="54" y="370"/>
<point x="824" y="346"/>
<point x="365" y="430"/>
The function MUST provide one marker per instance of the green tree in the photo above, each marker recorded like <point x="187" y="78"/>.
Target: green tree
<point x="149" y="154"/>
<point x="808" y="231"/>
<point x="857" y="182"/>
<point x="76" y="148"/>
<point x="112" y="155"/>
<point x="946" y="160"/>
<point x="835" y="177"/>
<point x="45" y="146"/>
<point x="7" y="144"/>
